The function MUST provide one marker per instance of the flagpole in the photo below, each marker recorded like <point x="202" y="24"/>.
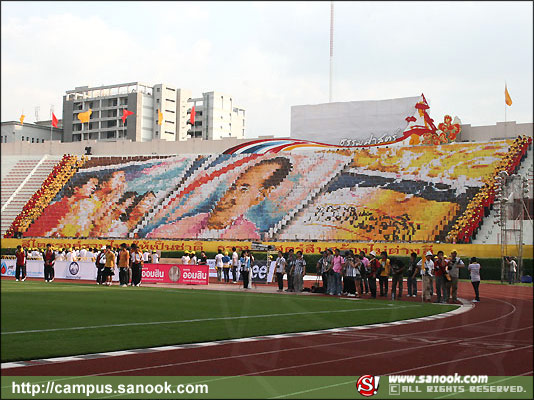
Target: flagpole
<point x="51" y="122"/>
<point x="505" y="88"/>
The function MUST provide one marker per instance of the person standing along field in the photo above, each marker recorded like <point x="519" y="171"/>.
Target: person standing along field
<point x="374" y="267"/>
<point x="21" y="257"/>
<point x="321" y="269"/>
<point x="136" y="260"/>
<point x="397" y="268"/>
<point x="364" y="283"/>
<point x="280" y="265"/>
<point x="110" y="265"/>
<point x="413" y="271"/>
<point x="235" y="264"/>
<point x="455" y="263"/>
<point x="219" y="264"/>
<point x="298" y="271"/>
<point x="124" y="265"/>
<point x="100" y="264"/>
<point x="440" y="267"/>
<point x="427" y="272"/>
<point x="383" y="276"/>
<point x="474" y="271"/>
<point x="290" y="259"/>
<point x="49" y="258"/>
<point x="245" y="268"/>
<point x="226" y="267"/>
<point x="337" y="267"/>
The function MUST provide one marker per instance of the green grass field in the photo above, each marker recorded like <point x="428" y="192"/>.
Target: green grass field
<point x="41" y="320"/>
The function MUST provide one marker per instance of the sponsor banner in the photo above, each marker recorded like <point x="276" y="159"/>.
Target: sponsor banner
<point x="176" y="273"/>
<point x="262" y="271"/>
<point x="399" y="249"/>
<point x="84" y="270"/>
<point x="265" y="387"/>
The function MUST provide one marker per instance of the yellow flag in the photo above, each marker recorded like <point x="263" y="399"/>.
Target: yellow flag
<point x="84" y="117"/>
<point x="22" y="116"/>
<point x="160" y="117"/>
<point x="507" y="97"/>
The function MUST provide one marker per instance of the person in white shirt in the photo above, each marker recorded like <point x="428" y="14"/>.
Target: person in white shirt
<point x="193" y="259"/>
<point x="235" y="265"/>
<point x="280" y="266"/>
<point x="427" y="272"/>
<point x="474" y="271"/>
<point x="71" y="256"/>
<point x="82" y="253"/>
<point x="219" y="264"/>
<point x="146" y="256"/>
<point x="155" y="257"/>
<point x="512" y="269"/>
<point x="453" y="267"/>
<point x="185" y="258"/>
<point x="61" y="255"/>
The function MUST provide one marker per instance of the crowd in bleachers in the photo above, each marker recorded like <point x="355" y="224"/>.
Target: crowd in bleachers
<point x="417" y="193"/>
<point x="60" y="175"/>
<point x="467" y="225"/>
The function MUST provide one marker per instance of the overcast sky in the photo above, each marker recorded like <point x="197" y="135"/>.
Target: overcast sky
<point x="272" y="55"/>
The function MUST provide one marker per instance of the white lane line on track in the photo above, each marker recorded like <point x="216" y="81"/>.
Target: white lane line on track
<point x="386" y="352"/>
<point x="459" y="359"/>
<point x="270" y="352"/>
<point x="291" y="349"/>
<point x="184" y="321"/>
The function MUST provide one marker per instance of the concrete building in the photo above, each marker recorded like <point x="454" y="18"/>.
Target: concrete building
<point x="39" y="132"/>
<point x="217" y="117"/>
<point x="107" y="104"/>
<point x="502" y="130"/>
<point x="334" y="123"/>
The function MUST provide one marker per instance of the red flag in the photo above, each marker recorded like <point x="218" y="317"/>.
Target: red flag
<point x="193" y="116"/>
<point x="125" y="114"/>
<point x="54" y="121"/>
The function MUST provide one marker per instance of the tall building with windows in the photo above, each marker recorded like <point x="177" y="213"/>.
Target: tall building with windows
<point x="107" y="104"/>
<point x="215" y="117"/>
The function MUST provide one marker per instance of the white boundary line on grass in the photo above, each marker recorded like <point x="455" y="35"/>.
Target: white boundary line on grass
<point x="184" y="321"/>
<point x="466" y="306"/>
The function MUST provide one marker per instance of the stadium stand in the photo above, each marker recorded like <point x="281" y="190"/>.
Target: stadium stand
<point x="409" y="193"/>
<point x="19" y="184"/>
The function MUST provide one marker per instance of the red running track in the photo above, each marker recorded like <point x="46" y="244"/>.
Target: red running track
<point x="494" y="338"/>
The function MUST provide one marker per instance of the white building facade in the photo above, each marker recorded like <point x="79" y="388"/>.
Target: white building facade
<point x="41" y="131"/>
<point x="216" y="116"/>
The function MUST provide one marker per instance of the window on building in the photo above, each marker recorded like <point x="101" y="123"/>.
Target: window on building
<point x="158" y="90"/>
